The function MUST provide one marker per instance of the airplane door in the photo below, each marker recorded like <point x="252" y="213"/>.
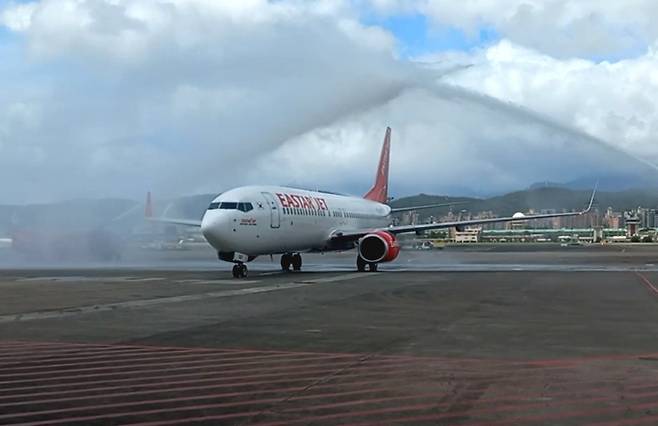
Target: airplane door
<point x="275" y="214"/>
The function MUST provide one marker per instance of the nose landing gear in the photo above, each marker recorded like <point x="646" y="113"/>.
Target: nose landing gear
<point x="240" y="270"/>
<point x="288" y="260"/>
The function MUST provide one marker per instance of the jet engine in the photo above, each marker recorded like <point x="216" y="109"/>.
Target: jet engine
<point x="378" y="247"/>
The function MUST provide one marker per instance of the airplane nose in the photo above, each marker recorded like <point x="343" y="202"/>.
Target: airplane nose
<point x="214" y="228"/>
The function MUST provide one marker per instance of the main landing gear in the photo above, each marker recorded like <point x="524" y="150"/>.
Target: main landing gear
<point x="361" y="265"/>
<point x="289" y="259"/>
<point x="240" y="270"/>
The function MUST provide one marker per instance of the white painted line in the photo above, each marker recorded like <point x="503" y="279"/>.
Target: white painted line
<point x="132" y="279"/>
<point x="63" y="313"/>
<point x="263" y="274"/>
<point x="78" y="279"/>
<point x="216" y="281"/>
<point x="344" y="277"/>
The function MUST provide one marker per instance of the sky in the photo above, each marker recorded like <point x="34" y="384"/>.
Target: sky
<point x="111" y="98"/>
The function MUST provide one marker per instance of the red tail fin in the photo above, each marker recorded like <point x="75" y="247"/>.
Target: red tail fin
<point x="148" y="207"/>
<point x="379" y="191"/>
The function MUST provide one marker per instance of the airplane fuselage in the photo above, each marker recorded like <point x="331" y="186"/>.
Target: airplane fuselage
<point x="258" y="220"/>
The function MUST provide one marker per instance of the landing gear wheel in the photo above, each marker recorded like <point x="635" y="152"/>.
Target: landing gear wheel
<point x="360" y="264"/>
<point x="286" y="262"/>
<point x="296" y="262"/>
<point x="372" y="267"/>
<point x="240" y="270"/>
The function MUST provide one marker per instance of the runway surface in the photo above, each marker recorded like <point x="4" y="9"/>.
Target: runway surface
<point x="480" y="336"/>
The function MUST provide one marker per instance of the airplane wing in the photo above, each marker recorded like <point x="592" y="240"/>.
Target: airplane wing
<point x="185" y="222"/>
<point x="355" y="235"/>
<point x="148" y="215"/>
<point x="426" y="206"/>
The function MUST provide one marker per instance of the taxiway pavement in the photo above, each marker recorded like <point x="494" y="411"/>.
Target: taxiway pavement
<point x="468" y="336"/>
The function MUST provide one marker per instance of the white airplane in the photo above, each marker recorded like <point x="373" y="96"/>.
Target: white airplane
<point x="251" y="221"/>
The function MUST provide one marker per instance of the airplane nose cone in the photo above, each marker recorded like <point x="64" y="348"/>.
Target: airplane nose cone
<point x="214" y="230"/>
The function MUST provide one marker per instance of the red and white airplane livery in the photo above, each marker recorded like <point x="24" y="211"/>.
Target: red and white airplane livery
<point x="250" y="221"/>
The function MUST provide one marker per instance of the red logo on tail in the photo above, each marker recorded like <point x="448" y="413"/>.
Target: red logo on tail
<point x="379" y="191"/>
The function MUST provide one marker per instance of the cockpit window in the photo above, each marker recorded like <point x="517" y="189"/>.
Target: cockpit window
<point x="245" y="207"/>
<point x="228" y="206"/>
<point x="225" y="205"/>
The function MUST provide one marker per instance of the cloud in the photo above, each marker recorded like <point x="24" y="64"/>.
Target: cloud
<point x="112" y="97"/>
<point x="446" y="140"/>
<point x="179" y="95"/>
<point x="18" y="17"/>
<point x="512" y="116"/>
<point x="612" y="101"/>
<point x="561" y="28"/>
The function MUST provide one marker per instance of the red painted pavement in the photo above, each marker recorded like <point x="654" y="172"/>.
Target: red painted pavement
<point x="46" y="383"/>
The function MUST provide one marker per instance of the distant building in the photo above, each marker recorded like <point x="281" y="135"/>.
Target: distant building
<point x="614" y="220"/>
<point x="471" y="235"/>
<point x="409" y="218"/>
<point x="632" y="223"/>
<point x="552" y="235"/>
<point x="599" y="224"/>
<point x="598" y="234"/>
<point x="647" y="217"/>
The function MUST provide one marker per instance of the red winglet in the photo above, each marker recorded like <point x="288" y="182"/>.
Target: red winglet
<point x="379" y="191"/>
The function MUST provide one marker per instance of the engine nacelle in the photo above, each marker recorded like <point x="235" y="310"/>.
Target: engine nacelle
<point x="378" y="247"/>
